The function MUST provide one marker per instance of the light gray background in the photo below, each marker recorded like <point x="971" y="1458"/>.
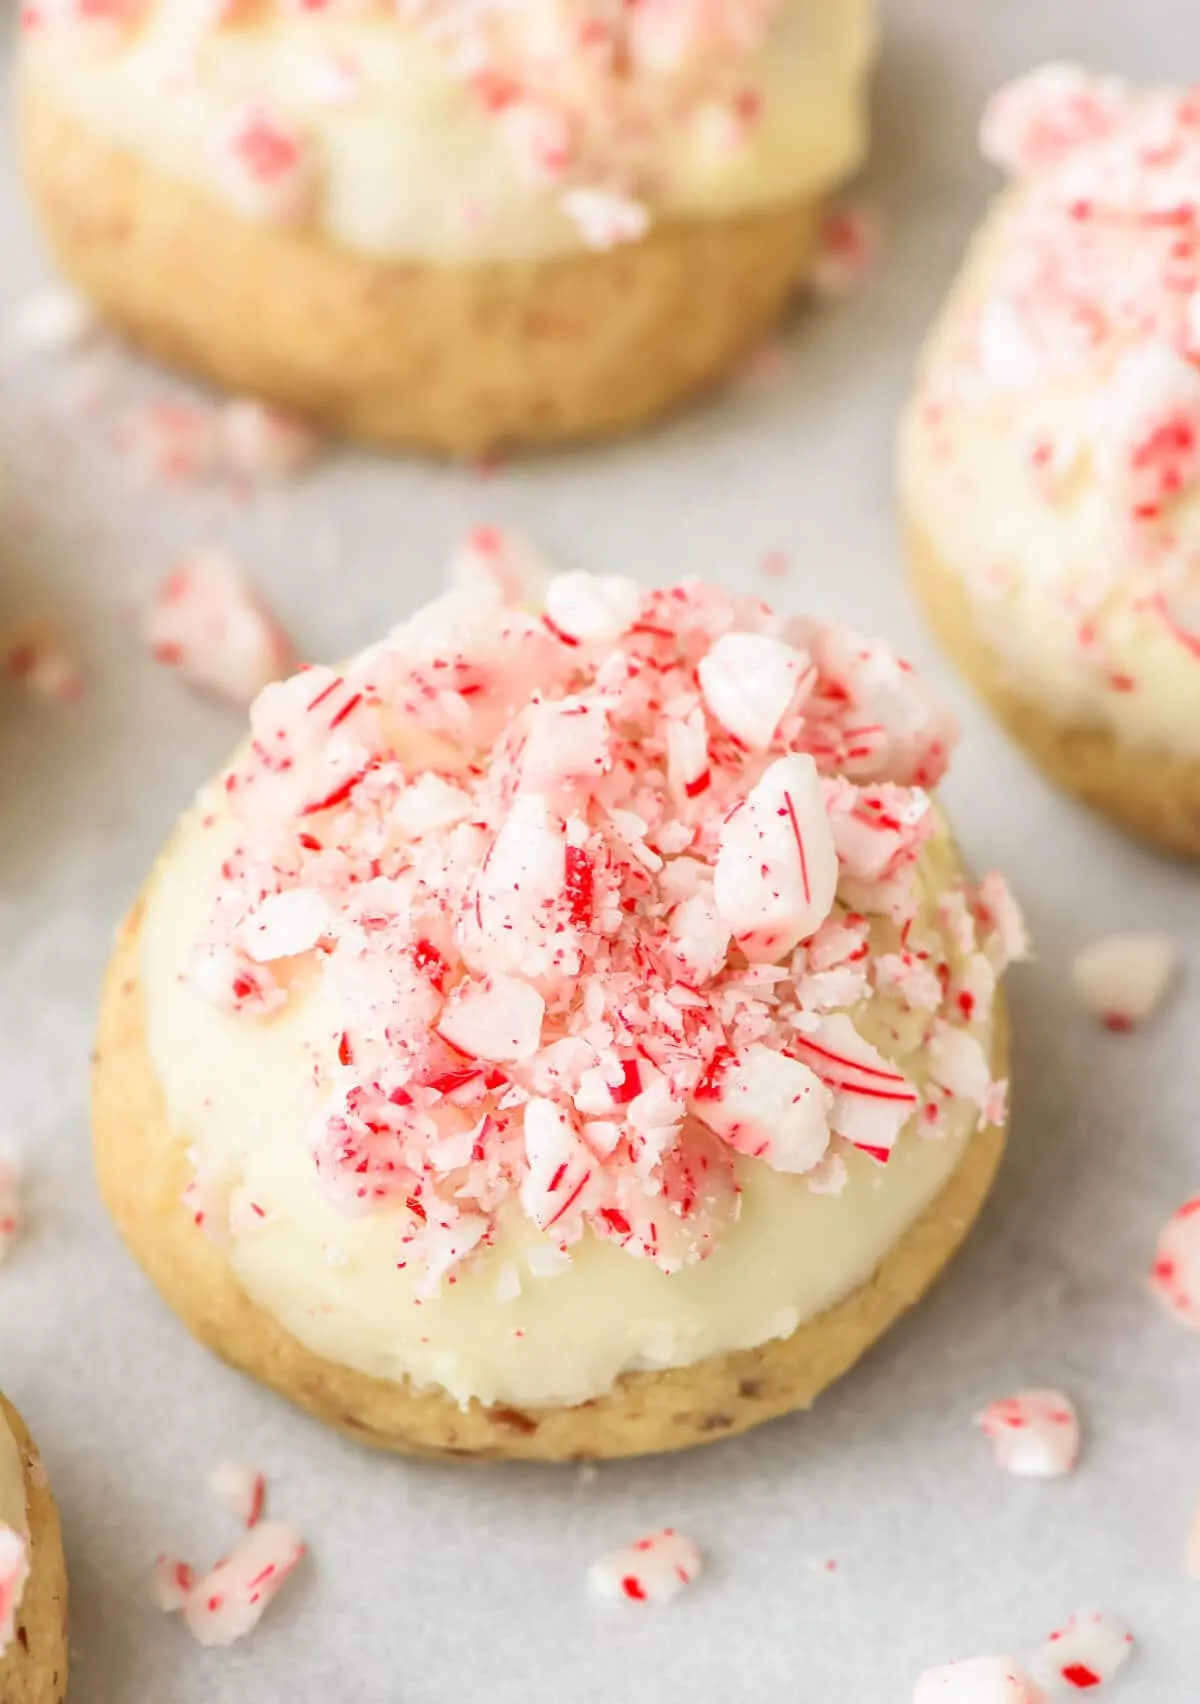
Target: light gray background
<point x="431" y="1584"/>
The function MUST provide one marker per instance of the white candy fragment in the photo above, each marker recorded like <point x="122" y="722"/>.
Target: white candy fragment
<point x="54" y="320"/>
<point x="262" y="444"/>
<point x="769" y="1107"/>
<point x="1085" y="1653"/>
<point x="653" y="1569"/>
<point x="1037" y="120"/>
<point x="1034" y="1434"/>
<point x="1122" y="979"/>
<point x="980" y="1680"/>
<point x="498" y="1019"/>
<point x="748" y="681"/>
<point x="242" y="1489"/>
<point x="1175" y="1276"/>
<point x="593" y="608"/>
<point x="560" y="1168"/>
<point x="285" y="924"/>
<point x="209" y="623"/>
<point x="229" y="1601"/>
<point x="604" y="219"/>
<point x="872" y="1100"/>
<point x="498" y="562"/>
<point x="776" y="870"/>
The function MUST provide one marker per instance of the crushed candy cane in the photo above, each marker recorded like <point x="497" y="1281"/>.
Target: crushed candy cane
<point x="10" y="1204"/>
<point x="1078" y="345"/>
<point x="1034" y="1435"/>
<point x="587" y="101"/>
<point x="228" y="1601"/>
<point x="653" y="1569"/>
<point x="979" y="1680"/>
<point x="848" y="248"/>
<point x="14" y="1575"/>
<point x="1123" y="979"/>
<point x="209" y="623"/>
<point x="1175" y="1275"/>
<point x="1086" y="1652"/>
<point x="596" y="920"/>
<point x="242" y="1489"/>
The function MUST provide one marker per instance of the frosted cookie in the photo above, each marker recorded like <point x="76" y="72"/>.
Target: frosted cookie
<point x="1050" y="461"/>
<point x="561" y="1035"/>
<point x="438" y="225"/>
<point x="33" y="1575"/>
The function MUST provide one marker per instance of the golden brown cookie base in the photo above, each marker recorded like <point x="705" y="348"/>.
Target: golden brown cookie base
<point x="143" y="1171"/>
<point x="453" y="360"/>
<point x="34" y="1668"/>
<point x="1153" y="794"/>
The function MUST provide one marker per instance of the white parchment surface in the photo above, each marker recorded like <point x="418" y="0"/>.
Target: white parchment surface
<point x="430" y="1584"/>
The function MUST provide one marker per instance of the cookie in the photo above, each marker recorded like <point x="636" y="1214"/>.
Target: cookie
<point x="322" y="211"/>
<point x="33" y="1593"/>
<point x="482" y="1113"/>
<point x="1050" y="462"/>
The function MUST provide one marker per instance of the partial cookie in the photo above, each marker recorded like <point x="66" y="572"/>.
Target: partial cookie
<point x="545" y="1043"/>
<point x="1050" y="462"/>
<point x="33" y="1574"/>
<point x="330" y="216"/>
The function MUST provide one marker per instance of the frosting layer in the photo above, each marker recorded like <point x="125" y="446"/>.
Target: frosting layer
<point x="14" y="1554"/>
<point x="1052" y="453"/>
<point x="497" y="1084"/>
<point x="400" y="138"/>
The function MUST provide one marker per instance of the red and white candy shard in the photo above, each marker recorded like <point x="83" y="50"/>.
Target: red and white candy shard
<point x="650" y="908"/>
<point x="1175" y="1276"/>
<point x="653" y="1569"/>
<point x="1122" y="979"/>
<point x="848" y="247"/>
<point x="979" y="1680"/>
<point x="14" y="1573"/>
<point x="1084" y="1653"/>
<point x="229" y="1601"/>
<point x="209" y="623"/>
<point x="262" y="444"/>
<point x="10" y="1204"/>
<point x="242" y="1489"/>
<point x="53" y="320"/>
<point x="1034" y="1434"/>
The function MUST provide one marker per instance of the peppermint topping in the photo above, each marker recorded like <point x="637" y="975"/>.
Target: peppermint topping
<point x="1084" y="1653"/>
<point x="980" y="1680"/>
<point x="651" y="1570"/>
<point x="1034" y="1435"/>
<point x="207" y="622"/>
<point x="585" y="99"/>
<point x="229" y="1601"/>
<point x="1076" y="340"/>
<point x="1122" y="979"/>
<point x="595" y="926"/>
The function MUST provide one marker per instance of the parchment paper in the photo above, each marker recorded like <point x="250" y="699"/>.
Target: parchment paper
<point x="429" y="1584"/>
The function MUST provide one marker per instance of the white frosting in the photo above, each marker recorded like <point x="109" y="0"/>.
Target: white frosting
<point x="240" y="1093"/>
<point x="414" y="166"/>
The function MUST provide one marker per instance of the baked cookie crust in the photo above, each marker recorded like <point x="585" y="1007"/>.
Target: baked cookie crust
<point x="450" y="360"/>
<point x="143" y="1171"/>
<point x="1154" y="795"/>
<point x="34" y="1668"/>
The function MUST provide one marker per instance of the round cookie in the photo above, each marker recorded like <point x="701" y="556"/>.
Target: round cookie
<point x="328" y="211"/>
<point x="33" y="1658"/>
<point x="1050" y="461"/>
<point x="452" y="1172"/>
